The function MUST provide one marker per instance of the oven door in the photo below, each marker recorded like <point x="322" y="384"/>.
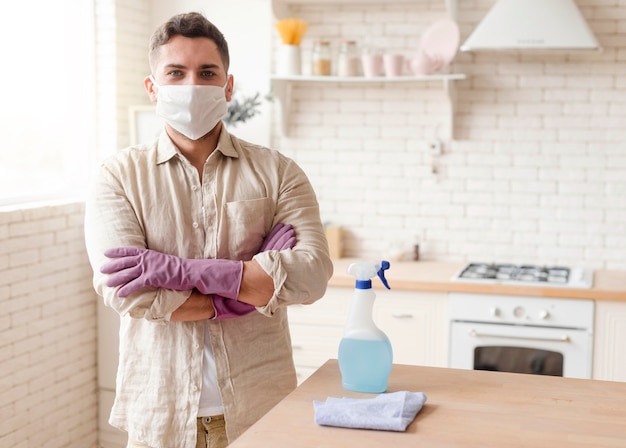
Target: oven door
<point x="521" y="349"/>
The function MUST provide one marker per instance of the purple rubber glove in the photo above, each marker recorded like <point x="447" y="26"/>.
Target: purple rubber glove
<point x="136" y="268"/>
<point x="281" y="237"/>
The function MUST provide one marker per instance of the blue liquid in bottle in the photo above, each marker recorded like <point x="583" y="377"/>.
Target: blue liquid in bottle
<point x="365" y="355"/>
<point x="365" y="364"/>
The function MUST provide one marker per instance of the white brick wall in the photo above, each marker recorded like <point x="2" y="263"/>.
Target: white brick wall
<point x="536" y="173"/>
<point x="48" y="324"/>
<point x="47" y="330"/>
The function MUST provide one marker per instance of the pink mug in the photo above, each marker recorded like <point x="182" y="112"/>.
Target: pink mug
<point x="372" y="65"/>
<point x="394" y="65"/>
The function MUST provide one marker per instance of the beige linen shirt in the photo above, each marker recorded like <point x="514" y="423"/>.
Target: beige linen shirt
<point x="151" y="196"/>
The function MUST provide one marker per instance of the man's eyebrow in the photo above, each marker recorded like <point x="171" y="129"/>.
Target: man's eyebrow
<point x="203" y="66"/>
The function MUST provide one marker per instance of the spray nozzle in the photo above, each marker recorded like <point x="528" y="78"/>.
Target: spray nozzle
<point x="364" y="271"/>
<point x="384" y="265"/>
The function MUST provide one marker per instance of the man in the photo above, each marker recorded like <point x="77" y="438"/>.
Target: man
<point x="178" y="235"/>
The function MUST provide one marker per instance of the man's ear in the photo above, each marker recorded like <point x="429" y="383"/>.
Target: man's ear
<point x="230" y="84"/>
<point x="149" y="85"/>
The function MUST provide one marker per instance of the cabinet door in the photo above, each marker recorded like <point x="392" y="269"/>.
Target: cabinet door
<point x="317" y="329"/>
<point x="416" y="324"/>
<point x="331" y="310"/>
<point x="312" y="346"/>
<point x="609" y="361"/>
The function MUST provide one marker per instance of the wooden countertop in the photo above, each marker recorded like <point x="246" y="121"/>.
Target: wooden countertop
<point x="465" y="408"/>
<point x="436" y="277"/>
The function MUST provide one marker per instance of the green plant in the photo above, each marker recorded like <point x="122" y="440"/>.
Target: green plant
<point x="244" y="107"/>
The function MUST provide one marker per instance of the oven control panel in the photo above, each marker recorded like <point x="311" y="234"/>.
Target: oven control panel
<point x="521" y="310"/>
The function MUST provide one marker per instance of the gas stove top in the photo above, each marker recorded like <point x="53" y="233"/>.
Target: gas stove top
<point x="557" y="276"/>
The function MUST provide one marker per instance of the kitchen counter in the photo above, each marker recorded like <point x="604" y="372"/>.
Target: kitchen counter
<point x="436" y="277"/>
<point x="467" y="408"/>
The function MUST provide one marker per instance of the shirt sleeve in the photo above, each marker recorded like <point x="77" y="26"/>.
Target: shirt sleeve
<point x="110" y="221"/>
<point x="300" y="275"/>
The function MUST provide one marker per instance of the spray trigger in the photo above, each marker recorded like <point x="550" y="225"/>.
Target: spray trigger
<point x="384" y="265"/>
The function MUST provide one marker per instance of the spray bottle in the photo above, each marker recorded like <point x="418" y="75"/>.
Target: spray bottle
<point x="365" y="354"/>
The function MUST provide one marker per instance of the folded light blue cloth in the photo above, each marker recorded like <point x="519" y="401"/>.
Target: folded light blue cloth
<point x="390" y="412"/>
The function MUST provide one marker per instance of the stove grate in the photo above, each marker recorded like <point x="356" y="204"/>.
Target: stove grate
<point x="517" y="273"/>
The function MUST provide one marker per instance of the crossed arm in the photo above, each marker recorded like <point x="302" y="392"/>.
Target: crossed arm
<point x="256" y="289"/>
<point x="221" y="289"/>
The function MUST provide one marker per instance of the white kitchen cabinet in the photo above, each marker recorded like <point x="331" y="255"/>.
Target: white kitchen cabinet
<point x="609" y="361"/>
<point x="415" y="322"/>
<point x="316" y="330"/>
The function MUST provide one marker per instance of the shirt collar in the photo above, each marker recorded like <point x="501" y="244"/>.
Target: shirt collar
<point x="227" y="144"/>
<point x="166" y="149"/>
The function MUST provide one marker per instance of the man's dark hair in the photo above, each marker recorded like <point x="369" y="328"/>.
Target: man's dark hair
<point x="191" y="24"/>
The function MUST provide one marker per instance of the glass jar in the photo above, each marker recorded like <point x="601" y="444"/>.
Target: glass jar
<point x="348" y="62"/>
<point x="321" y="58"/>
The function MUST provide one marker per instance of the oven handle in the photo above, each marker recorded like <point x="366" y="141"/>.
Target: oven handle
<point x="475" y="334"/>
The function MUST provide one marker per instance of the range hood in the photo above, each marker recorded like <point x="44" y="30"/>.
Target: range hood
<point x="532" y="24"/>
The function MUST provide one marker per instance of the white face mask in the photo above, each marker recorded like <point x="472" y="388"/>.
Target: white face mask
<point x="193" y="110"/>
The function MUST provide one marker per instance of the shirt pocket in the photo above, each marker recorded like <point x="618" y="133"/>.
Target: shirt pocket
<point x="244" y="227"/>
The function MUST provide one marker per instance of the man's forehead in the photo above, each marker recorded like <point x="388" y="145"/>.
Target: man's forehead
<point x="195" y="55"/>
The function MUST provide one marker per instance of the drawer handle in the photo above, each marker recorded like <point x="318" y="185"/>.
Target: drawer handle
<point x="398" y="315"/>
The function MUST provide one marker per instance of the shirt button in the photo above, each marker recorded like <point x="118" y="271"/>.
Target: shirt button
<point x="194" y="387"/>
<point x="195" y="225"/>
<point x="196" y="346"/>
<point x="194" y="188"/>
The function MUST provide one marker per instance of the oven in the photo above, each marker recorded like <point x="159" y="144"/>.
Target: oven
<point x="522" y="334"/>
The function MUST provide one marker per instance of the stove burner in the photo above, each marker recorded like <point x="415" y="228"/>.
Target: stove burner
<point x="517" y="273"/>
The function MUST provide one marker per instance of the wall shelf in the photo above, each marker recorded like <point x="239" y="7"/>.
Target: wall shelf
<point x="373" y="80"/>
<point x="281" y="7"/>
<point x="282" y="87"/>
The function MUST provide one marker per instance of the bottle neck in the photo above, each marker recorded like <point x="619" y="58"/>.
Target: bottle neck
<point x="362" y="308"/>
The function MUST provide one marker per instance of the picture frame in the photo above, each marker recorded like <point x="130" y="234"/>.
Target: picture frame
<point x="145" y="124"/>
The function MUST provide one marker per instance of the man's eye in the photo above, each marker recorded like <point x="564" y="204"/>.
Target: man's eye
<point x="207" y="74"/>
<point x="174" y="73"/>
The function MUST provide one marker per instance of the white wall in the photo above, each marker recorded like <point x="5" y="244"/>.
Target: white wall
<point x="537" y="170"/>
<point x="47" y="330"/>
